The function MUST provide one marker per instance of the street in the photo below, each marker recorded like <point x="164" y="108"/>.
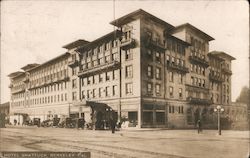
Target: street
<point x="152" y="143"/>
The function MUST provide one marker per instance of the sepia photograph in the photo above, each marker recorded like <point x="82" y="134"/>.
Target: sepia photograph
<point x="124" y="79"/>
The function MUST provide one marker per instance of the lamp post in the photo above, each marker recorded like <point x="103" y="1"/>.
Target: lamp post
<point x="219" y="109"/>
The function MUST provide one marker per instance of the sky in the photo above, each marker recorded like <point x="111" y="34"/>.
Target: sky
<point x="35" y="31"/>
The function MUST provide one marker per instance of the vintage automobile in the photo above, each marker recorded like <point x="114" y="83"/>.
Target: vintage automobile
<point x="37" y="122"/>
<point x="47" y="123"/>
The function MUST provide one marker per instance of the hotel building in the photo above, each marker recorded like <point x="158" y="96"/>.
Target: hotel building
<point x="147" y="70"/>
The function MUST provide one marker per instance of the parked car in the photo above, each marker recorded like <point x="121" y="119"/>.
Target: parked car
<point x="36" y="121"/>
<point x="47" y="123"/>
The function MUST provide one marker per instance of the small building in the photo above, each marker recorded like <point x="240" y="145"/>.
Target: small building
<point x="4" y="113"/>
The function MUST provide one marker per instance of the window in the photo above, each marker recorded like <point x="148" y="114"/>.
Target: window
<point x="217" y="98"/>
<point x="158" y="73"/>
<point x="129" y="88"/>
<point x="100" y="78"/>
<point x="88" y="80"/>
<point x="74" y="71"/>
<point x="129" y="71"/>
<point x="73" y="84"/>
<point x="150" y="71"/>
<point x="203" y="83"/>
<point x="107" y="90"/>
<point x="171" y="109"/>
<point x="115" y="90"/>
<point x="128" y="54"/>
<point x="83" y="95"/>
<point x="73" y="96"/>
<point x="100" y="61"/>
<point x="94" y="93"/>
<point x="195" y="81"/>
<point x="180" y="92"/>
<point x="93" y="79"/>
<point x="191" y="67"/>
<point x="100" y="92"/>
<point x="157" y="89"/>
<point x="171" y="91"/>
<point x="88" y="94"/>
<point x="149" y="52"/>
<point x="180" y="78"/>
<point x="203" y="71"/>
<point x="65" y="96"/>
<point x="157" y="57"/>
<point x="149" y="88"/>
<point x="171" y="76"/>
<point x="108" y="76"/>
<point x="95" y="63"/>
<point x="180" y="109"/>
<point x="107" y="59"/>
<point x="199" y="82"/>
<point x="115" y="56"/>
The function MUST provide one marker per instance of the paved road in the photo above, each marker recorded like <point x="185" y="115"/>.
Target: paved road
<point x="128" y="143"/>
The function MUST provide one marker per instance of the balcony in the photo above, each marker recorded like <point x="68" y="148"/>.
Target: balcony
<point x="155" y="45"/>
<point x="10" y="85"/>
<point x="216" y="78"/>
<point x="48" y="81"/>
<point x="178" y="68"/>
<point x="128" y="43"/>
<point x="226" y="70"/>
<point x="73" y="63"/>
<point x="22" y="89"/>
<point x="63" y="78"/>
<point x="198" y="60"/>
<point x="199" y="101"/>
<point x="99" y="68"/>
<point x="26" y="80"/>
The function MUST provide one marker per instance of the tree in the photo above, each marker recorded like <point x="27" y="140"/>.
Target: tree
<point x="244" y="96"/>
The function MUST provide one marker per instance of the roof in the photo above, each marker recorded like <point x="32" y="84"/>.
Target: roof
<point x="179" y="40"/>
<point x="136" y="15"/>
<point x="195" y="29"/>
<point x="15" y="74"/>
<point x="222" y="55"/>
<point x="110" y="36"/>
<point x="29" y="66"/>
<point x="75" y="44"/>
<point x="51" y="60"/>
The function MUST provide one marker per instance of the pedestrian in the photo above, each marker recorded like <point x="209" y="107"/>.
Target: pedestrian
<point x="112" y="124"/>
<point x="15" y="121"/>
<point x="199" y="126"/>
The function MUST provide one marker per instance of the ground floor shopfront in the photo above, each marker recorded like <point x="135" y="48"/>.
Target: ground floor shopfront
<point x="140" y="113"/>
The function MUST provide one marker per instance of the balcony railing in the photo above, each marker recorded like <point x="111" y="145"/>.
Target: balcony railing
<point x="18" y="90"/>
<point x="155" y="45"/>
<point x="128" y="43"/>
<point x="199" y="60"/>
<point x="73" y="63"/>
<point x="217" y="78"/>
<point x="99" y="68"/>
<point x="179" y="68"/>
<point x="199" y="101"/>
<point x="226" y="70"/>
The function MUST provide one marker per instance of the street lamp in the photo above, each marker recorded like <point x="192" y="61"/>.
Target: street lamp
<point x="219" y="109"/>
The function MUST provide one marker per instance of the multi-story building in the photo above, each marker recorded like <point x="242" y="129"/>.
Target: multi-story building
<point x="148" y="71"/>
<point x="40" y="91"/>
